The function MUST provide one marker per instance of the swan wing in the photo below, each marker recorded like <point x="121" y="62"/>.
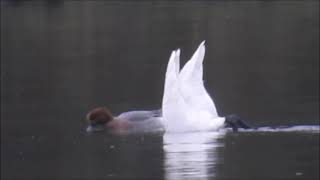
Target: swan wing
<point x="136" y="116"/>
<point x="177" y="62"/>
<point x="171" y="77"/>
<point x="173" y="107"/>
<point x="191" y="85"/>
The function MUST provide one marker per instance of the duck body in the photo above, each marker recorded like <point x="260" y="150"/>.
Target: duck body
<point x="133" y="121"/>
<point x="137" y="121"/>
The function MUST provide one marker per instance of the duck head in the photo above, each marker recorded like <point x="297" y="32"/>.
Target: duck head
<point x="98" y="118"/>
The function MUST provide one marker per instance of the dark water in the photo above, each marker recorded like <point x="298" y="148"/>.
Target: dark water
<point x="61" y="58"/>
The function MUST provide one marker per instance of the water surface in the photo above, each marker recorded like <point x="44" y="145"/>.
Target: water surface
<point x="59" y="59"/>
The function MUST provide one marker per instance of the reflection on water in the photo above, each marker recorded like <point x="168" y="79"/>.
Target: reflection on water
<point x="190" y="154"/>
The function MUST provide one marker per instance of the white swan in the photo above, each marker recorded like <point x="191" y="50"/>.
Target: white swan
<point x="186" y="105"/>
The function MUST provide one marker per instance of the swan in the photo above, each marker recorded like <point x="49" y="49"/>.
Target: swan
<point x="186" y="105"/>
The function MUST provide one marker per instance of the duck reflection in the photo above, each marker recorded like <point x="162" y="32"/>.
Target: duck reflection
<point x="191" y="155"/>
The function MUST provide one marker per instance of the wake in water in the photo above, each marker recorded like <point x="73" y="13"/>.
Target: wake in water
<point x="297" y="128"/>
<point x="237" y="124"/>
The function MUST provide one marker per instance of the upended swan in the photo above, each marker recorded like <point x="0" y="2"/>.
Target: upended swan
<point x="186" y="105"/>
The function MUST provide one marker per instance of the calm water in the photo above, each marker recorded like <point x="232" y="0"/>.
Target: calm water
<point x="61" y="58"/>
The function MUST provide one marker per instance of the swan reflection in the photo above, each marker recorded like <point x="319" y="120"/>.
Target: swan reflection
<point x="190" y="155"/>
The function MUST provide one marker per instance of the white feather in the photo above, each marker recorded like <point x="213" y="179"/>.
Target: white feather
<point x="186" y="104"/>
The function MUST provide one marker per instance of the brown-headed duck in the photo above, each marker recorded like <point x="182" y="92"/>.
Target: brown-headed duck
<point x="101" y="118"/>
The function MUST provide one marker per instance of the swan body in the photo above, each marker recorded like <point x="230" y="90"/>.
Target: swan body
<point x="186" y="104"/>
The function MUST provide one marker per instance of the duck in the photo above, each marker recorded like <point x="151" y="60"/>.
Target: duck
<point x="186" y="104"/>
<point x="101" y="118"/>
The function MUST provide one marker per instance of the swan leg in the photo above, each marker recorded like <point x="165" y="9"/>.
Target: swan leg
<point x="157" y="113"/>
<point x="235" y="122"/>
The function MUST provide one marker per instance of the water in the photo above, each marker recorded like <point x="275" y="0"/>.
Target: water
<point x="60" y="59"/>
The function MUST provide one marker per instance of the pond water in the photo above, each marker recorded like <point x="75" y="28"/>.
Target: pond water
<point x="60" y="59"/>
